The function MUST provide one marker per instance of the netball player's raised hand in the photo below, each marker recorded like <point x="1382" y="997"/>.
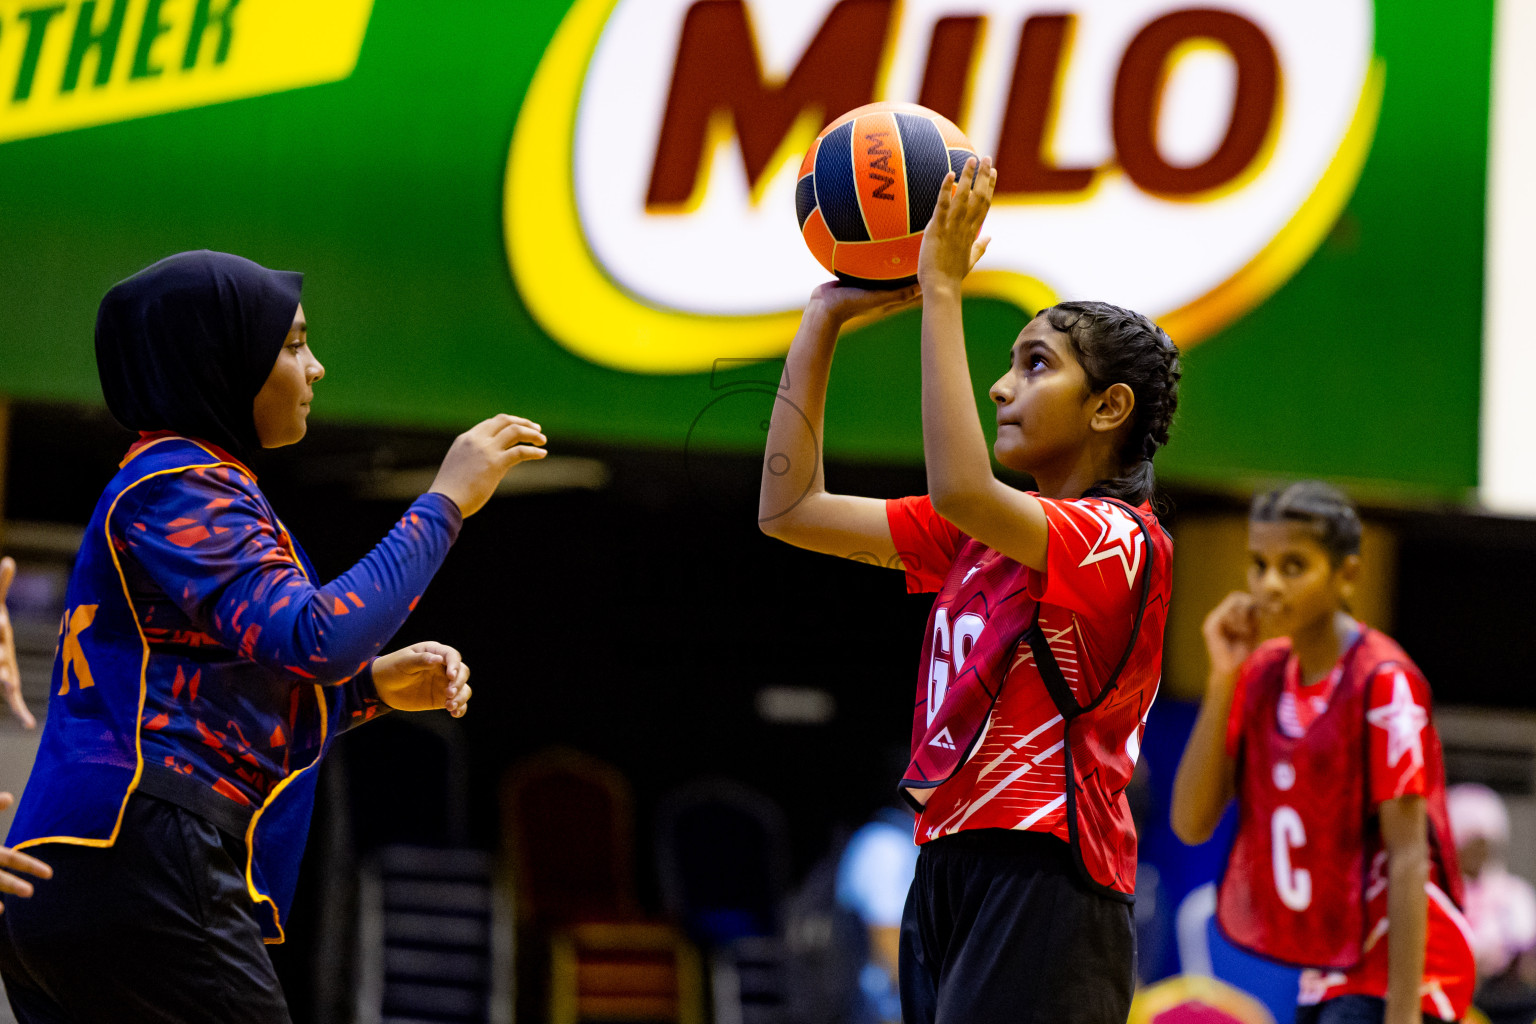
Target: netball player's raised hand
<point x="951" y="242"/>
<point x="481" y="456"/>
<point x="1231" y="633"/>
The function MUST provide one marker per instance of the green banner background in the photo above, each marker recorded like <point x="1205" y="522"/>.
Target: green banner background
<point x="386" y="190"/>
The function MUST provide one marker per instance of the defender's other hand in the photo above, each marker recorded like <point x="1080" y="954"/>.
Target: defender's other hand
<point x="423" y="677"/>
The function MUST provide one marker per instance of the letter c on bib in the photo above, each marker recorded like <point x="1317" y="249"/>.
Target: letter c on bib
<point x="1286" y="833"/>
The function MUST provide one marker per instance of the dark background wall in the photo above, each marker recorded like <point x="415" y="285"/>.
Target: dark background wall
<point x="638" y="623"/>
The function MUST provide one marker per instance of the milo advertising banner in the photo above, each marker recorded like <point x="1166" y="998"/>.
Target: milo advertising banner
<point x="586" y="213"/>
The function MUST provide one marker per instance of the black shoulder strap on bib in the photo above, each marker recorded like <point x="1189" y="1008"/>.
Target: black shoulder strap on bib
<point x="1055" y="683"/>
<point x="1066" y="704"/>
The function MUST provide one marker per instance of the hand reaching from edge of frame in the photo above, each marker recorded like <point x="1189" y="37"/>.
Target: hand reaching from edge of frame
<point x="14" y="860"/>
<point x="10" y="675"/>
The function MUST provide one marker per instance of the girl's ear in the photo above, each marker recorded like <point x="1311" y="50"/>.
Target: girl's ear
<point x="1115" y="405"/>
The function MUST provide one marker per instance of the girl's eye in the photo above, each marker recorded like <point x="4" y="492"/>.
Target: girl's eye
<point x="1294" y="567"/>
<point x="1034" y="363"/>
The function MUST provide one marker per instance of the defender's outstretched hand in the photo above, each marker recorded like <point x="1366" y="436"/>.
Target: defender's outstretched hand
<point x="950" y="243"/>
<point x="13" y="860"/>
<point x="10" y="675"/>
<point x="423" y="677"/>
<point x="481" y="456"/>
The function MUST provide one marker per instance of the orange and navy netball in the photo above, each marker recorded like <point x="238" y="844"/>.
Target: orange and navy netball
<point x="868" y="186"/>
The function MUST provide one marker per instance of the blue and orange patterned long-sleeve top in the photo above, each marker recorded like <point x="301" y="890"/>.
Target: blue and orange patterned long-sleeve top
<point x="199" y="656"/>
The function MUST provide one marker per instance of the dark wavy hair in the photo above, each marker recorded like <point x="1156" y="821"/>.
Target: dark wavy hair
<point x="1117" y="346"/>
<point x="1326" y="511"/>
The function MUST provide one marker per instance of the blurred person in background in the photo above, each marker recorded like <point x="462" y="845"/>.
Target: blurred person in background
<point x="202" y="668"/>
<point x="1501" y="906"/>
<point x="1343" y="862"/>
<point x="874" y="876"/>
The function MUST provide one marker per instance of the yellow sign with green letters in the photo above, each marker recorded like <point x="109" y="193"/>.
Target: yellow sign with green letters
<point x="78" y="63"/>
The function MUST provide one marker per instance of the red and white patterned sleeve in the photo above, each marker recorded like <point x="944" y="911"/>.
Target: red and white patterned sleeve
<point x="1094" y="559"/>
<point x="1397" y="721"/>
<point x="925" y="540"/>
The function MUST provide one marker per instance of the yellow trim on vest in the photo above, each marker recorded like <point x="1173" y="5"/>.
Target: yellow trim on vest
<point x="138" y="722"/>
<point x="250" y="831"/>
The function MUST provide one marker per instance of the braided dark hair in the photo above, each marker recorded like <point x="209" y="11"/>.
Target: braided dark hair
<point x="1117" y="346"/>
<point x="1326" y="510"/>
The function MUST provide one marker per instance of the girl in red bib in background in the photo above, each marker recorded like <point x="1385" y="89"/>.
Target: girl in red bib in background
<point x="1343" y="862"/>
<point x="1044" y="646"/>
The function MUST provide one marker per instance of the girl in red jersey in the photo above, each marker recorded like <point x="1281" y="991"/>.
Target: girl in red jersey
<point x="1043" y="649"/>
<point x="1343" y="861"/>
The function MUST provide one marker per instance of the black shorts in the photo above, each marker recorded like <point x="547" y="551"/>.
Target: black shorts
<point x="157" y="927"/>
<point x="999" y="929"/>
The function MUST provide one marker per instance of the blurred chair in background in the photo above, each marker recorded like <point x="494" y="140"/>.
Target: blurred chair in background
<point x="568" y="830"/>
<point x="433" y="926"/>
<point x="825" y="944"/>
<point x="435" y="939"/>
<point x="584" y="952"/>
<point x="1500" y="906"/>
<point x="722" y="857"/>
<point x="628" y="972"/>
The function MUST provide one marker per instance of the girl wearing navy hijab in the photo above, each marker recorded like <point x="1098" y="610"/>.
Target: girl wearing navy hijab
<point x="203" y="669"/>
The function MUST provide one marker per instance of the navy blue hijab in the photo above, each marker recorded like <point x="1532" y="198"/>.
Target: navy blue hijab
<point x="185" y="345"/>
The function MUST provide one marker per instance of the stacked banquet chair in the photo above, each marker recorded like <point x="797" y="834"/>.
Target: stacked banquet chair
<point x="586" y="954"/>
<point x="433" y="935"/>
<point x="722" y="855"/>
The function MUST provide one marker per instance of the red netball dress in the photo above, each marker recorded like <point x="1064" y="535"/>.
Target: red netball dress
<point x="1034" y="687"/>
<point x="1306" y="882"/>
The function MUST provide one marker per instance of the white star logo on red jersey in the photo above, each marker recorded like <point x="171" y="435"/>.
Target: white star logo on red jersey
<point x="1403" y="720"/>
<point x="1119" y="537"/>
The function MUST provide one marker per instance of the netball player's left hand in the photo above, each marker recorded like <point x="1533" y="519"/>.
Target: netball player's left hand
<point x="10" y="675"/>
<point x="858" y="307"/>
<point x="951" y="245"/>
<point x="423" y="677"/>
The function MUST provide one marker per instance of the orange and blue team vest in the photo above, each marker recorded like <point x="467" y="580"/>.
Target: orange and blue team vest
<point x="200" y="660"/>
